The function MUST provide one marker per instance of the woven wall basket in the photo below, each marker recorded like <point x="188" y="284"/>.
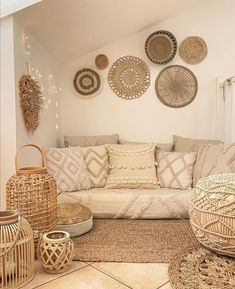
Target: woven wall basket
<point x="32" y="190"/>
<point x="86" y="82"/>
<point x="161" y="47"/>
<point x="55" y="251"/>
<point x="176" y="86"/>
<point x="212" y="213"/>
<point x="16" y="250"/>
<point x="129" y="77"/>
<point x="101" y="61"/>
<point x="193" y="50"/>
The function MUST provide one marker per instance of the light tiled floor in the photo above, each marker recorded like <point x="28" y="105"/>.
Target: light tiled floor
<point x="101" y="275"/>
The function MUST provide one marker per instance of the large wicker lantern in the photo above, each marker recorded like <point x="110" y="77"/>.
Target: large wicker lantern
<point x="32" y="190"/>
<point x="16" y="250"/>
<point x="212" y="213"/>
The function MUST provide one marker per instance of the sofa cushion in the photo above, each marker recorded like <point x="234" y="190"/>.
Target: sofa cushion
<point x="175" y="169"/>
<point x="68" y="167"/>
<point x="131" y="166"/>
<point x="182" y="144"/>
<point x="87" y="141"/>
<point x="168" y="147"/>
<point x="214" y="159"/>
<point x="96" y="159"/>
<point x="132" y="204"/>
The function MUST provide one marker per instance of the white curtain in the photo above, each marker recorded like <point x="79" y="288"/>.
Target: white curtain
<point x="225" y="110"/>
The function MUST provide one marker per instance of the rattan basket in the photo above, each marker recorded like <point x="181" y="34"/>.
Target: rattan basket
<point x="16" y="250"/>
<point x="55" y="251"/>
<point x="32" y="190"/>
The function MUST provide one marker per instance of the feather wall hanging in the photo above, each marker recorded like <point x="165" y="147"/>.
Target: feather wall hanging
<point x="31" y="101"/>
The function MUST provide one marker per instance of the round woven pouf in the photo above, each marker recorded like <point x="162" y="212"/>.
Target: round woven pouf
<point x="212" y="213"/>
<point x="55" y="251"/>
<point x="74" y="218"/>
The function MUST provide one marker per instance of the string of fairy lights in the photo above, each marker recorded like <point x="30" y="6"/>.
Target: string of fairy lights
<point x="51" y="93"/>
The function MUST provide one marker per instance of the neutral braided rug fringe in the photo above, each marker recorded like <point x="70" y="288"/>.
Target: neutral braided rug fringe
<point x="199" y="268"/>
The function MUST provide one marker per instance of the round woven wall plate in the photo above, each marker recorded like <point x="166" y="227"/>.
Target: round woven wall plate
<point x="176" y="86"/>
<point x="193" y="50"/>
<point x="161" y="47"/>
<point x="129" y="77"/>
<point x="199" y="268"/>
<point x="86" y="82"/>
<point x="101" y="61"/>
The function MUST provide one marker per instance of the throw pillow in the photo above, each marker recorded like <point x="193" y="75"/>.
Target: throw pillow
<point x="87" y="141"/>
<point x="175" y="169"/>
<point x="168" y="147"/>
<point x="214" y="159"/>
<point x="182" y="144"/>
<point x="67" y="165"/>
<point x="96" y="159"/>
<point x="131" y="166"/>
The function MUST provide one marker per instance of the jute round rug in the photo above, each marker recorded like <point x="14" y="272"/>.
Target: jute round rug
<point x="199" y="268"/>
<point x="134" y="241"/>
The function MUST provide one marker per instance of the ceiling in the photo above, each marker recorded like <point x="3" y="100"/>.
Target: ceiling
<point x="71" y="28"/>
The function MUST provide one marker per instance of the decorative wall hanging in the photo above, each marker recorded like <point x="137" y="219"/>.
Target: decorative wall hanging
<point x="101" y="61"/>
<point x="176" y="86"/>
<point x="86" y="82"/>
<point x="193" y="50"/>
<point x="161" y="47"/>
<point x="31" y="101"/>
<point x="129" y="77"/>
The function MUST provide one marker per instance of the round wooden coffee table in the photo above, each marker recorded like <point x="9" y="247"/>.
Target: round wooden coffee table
<point x="74" y="218"/>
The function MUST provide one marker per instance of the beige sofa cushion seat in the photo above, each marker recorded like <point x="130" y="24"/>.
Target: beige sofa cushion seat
<point x="132" y="203"/>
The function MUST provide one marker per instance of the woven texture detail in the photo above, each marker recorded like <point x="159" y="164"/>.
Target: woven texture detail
<point x="212" y="213"/>
<point x="68" y="167"/>
<point x="174" y="169"/>
<point x="131" y="166"/>
<point x="198" y="268"/>
<point x="96" y="159"/>
<point x="214" y="159"/>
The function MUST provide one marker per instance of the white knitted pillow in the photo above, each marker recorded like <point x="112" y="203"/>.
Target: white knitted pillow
<point x="68" y="167"/>
<point x="131" y="166"/>
<point x="175" y="169"/>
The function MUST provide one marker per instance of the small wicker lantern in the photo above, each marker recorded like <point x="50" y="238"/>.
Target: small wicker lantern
<point x="16" y="250"/>
<point x="55" y="251"/>
<point x="212" y="213"/>
<point x="32" y="190"/>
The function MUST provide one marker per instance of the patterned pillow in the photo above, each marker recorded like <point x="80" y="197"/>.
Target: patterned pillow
<point x="131" y="166"/>
<point x="96" y="159"/>
<point x="68" y="167"/>
<point x="175" y="169"/>
<point x="214" y="159"/>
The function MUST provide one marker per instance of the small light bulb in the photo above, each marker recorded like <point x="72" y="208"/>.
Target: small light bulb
<point x="57" y="115"/>
<point x="56" y="104"/>
<point x="57" y="126"/>
<point x="49" y="100"/>
<point x="28" y="46"/>
<point x="46" y="106"/>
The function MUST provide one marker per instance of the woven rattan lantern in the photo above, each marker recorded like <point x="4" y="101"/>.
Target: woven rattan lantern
<point x="16" y="250"/>
<point x="212" y="213"/>
<point x="55" y="251"/>
<point x="32" y="190"/>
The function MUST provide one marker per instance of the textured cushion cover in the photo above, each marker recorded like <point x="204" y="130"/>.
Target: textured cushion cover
<point x="175" y="169"/>
<point x="182" y="144"/>
<point x="68" y="167"/>
<point x="96" y="159"/>
<point x="133" y="204"/>
<point x="214" y="159"/>
<point x="131" y="166"/>
<point x="168" y="147"/>
<point x="87" y="141"/>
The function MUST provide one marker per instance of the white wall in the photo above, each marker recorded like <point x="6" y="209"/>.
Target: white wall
<point x="147" y="118"/>
<point x="7" y="106"/>
<point x="45" y="66"/>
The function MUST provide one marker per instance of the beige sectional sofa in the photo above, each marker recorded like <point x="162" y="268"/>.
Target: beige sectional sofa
<point x="152" y="203"/>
